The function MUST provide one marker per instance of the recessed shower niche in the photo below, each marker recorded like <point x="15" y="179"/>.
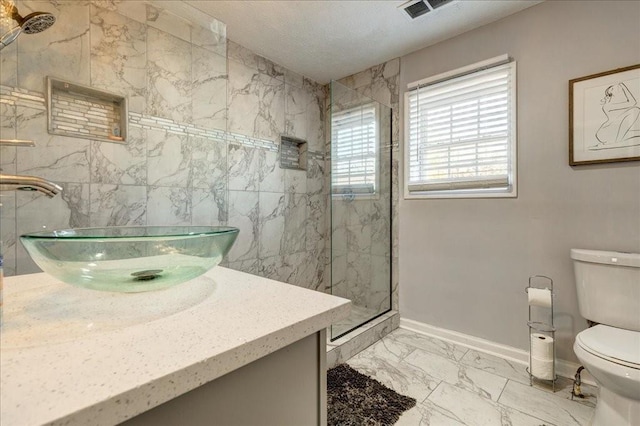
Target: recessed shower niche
<point x="293" y="153"/>
<point x="84" y="112"/>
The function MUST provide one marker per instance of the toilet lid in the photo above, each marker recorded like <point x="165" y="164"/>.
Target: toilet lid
<point x="613" y="344"/>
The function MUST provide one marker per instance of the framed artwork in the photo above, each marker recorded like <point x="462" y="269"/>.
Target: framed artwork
<point x="604" y="117"/>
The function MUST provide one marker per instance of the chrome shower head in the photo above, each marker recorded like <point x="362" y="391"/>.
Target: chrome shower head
<point x="33" y="23"/>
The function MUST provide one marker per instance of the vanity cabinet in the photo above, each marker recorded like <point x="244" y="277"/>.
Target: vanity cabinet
<point x="287" y="387"/>
<point x="248" y="351"/>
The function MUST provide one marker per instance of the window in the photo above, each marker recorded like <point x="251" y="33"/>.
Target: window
<point x="461" y="133"/>
<point x="354" y="155"/>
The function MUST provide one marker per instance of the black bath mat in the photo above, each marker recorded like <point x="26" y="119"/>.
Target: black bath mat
<point x="354" y="399"/>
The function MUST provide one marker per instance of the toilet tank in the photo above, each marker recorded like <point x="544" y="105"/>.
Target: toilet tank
<point x="608" y="287"/>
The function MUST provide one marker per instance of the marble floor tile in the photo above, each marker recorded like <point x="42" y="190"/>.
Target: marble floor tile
<point x="429" y="344"/>
<point x="484" y="384"/>
<point x="457" y="386"/>
<point x="517" y="372"/>
<point x="564" y="387"/>
<point x="387" y="348"/>
<point x="496" y="365"/>
<point x="383" y="361"/>
<point x="547" y="406"/>
<point x="428" y="414"/>
<point x="470" y="409"/>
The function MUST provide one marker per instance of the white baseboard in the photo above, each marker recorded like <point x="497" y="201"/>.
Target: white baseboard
<point x="564" y="368"/>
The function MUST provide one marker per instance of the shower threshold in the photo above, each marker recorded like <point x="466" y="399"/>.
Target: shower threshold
<point x="344" y="347"/>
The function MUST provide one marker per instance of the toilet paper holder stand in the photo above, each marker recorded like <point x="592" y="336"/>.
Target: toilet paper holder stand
<point x="545" y="326"/>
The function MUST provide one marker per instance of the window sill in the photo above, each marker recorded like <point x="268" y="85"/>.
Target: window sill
<point x="460" y="194"/>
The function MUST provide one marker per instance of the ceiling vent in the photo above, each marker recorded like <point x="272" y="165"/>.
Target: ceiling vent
<point x="438" y="3"/>
<point x="415" y="8"/>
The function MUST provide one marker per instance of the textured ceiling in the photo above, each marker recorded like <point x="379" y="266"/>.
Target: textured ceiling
<point x="327" y="39"/>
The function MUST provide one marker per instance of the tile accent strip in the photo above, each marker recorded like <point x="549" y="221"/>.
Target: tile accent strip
<point x="170" y="126"/>
<point x="22" y="97"/>
<point x="27" y="98"/>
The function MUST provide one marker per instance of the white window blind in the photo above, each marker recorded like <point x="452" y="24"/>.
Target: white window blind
<point x="461" y="132"/>
<point x="354" y="154"/>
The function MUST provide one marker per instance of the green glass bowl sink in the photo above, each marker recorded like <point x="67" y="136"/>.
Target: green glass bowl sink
<point x="131" y="258"/>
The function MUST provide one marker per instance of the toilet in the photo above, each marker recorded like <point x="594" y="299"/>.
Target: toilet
<point x="608" y="289"/>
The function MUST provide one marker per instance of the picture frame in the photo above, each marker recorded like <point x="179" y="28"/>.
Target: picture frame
<point x="604" y="117"/>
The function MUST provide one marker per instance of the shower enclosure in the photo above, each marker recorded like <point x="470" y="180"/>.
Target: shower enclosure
<point x="360" y="204"/>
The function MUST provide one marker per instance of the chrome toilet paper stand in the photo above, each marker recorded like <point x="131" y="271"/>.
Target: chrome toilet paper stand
<point x="546" y="327"/>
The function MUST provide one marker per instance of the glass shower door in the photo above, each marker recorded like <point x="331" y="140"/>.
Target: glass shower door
<point x="360" y="130"/>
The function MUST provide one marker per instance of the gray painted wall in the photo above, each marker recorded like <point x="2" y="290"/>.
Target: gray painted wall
<point x="464" y="263"/>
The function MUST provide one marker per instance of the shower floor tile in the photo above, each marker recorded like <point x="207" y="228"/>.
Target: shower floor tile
<point x="454" y="385"/>
<point x="358" y="315"/>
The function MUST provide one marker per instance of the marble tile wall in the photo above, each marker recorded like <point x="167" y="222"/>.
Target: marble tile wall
<point x="283" y="210"/>
<point x="206" y="115"/>
<point x="205" y="118"/>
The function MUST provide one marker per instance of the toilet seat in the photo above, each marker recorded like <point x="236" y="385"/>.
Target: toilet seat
<point x="612" y="344"/>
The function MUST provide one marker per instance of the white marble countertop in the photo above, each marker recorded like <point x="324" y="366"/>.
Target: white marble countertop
<point x="75" y="356"/>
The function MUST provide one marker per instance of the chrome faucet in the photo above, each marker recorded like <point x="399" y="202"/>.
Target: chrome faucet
<point x="26" y="183"/>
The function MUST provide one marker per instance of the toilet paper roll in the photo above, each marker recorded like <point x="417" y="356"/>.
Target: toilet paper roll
<point x="541" y="346"/>
<point x="542" y="368"/>
<point x="539" y="297"/>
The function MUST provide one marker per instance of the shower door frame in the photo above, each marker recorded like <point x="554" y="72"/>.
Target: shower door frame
<point x="389" y="145"/>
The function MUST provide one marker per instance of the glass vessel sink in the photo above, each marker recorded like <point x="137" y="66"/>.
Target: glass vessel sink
<point x="132" y="258"/>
